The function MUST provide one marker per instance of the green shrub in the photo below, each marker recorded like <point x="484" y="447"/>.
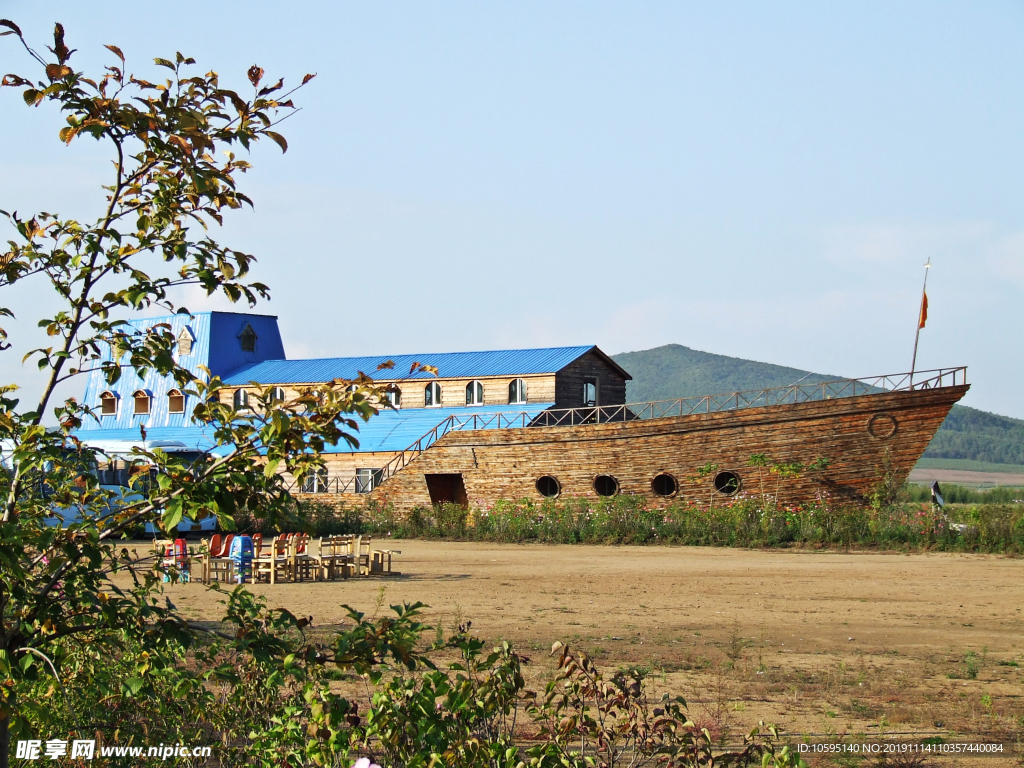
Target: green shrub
<point x="744" y="522"/>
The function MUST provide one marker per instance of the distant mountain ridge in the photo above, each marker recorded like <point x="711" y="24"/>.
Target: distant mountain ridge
<point x="671" y="371"/>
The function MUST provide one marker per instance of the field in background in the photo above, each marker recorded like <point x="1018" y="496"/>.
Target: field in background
<point x="977" y="474"/>
<point x="818" y="642"/>
<point x="970" y="466"/>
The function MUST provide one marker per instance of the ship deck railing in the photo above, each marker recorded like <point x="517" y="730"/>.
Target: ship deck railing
<point x="755" y="398"/>
<point x="938" y="378"/>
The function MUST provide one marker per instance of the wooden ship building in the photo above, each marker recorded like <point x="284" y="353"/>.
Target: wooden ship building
<point x="542" y="423"/>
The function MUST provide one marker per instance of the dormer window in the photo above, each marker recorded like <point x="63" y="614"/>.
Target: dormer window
<point x="142" y="402"/>
<point x="432" y="395"/>
<point x="241" y="400"/>
<point x="108" y="404"/>
<point x="175" y="401"/>
<point x="475" y="393"/>
<point x="247" y="338"/>
<point x="184" y="342"/>
<point x="517" y="392"/>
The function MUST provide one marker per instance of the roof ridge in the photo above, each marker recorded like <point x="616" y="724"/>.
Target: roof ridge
<point x="426" y="354"/>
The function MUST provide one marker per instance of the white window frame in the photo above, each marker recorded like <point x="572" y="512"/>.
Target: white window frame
<point x="520" y="385"/>
<point x="435" y="389"/>
<point x="240" y="399"/>
<point x="176" y="393"/>
<point x="108" y="395"/>
<point x="368" y="478"/>
<point x="135" y="403"/>
<point x="317" y="481"/>
<point x="477" y="388"/>
<point x="393" y="397"/>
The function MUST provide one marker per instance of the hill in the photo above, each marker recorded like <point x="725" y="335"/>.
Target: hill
<point x="672" y="371"/>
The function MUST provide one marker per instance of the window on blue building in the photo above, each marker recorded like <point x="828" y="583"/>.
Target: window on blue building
<point x="247" y="339"/>
<point x="175" y="401"/>
<point x="108" y="404"/>
<point x="142" y="399"/>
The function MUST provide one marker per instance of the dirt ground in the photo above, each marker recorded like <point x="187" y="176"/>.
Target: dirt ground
<point x="820" y="643"/>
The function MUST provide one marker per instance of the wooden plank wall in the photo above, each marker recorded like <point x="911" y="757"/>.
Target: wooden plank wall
<point x="539" y="389"/>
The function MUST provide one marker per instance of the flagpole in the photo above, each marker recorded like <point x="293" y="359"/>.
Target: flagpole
<point x="917" y="334"/>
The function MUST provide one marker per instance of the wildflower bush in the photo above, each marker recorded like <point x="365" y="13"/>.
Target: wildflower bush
<point x="747" y="521"/>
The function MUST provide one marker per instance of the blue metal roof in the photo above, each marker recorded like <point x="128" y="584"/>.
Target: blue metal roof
<point x="450" y="365"/>
<point x="193" y="438"/>
<point x="389" y="431"/>
<point x="397" y="430"/>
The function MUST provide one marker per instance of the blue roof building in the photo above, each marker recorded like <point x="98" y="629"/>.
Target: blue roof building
<point x="246" y="351"/>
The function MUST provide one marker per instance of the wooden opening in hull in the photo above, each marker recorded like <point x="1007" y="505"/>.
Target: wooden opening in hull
<point x="447" y="488"/>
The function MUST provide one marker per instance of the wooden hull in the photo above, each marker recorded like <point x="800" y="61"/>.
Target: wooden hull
<point x="864" y="439"/>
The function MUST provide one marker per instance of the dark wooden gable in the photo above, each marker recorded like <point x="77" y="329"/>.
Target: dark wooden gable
<point x="593" y="365"/>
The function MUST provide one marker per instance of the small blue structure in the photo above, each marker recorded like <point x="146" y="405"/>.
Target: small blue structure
<point x="241" y="555"/>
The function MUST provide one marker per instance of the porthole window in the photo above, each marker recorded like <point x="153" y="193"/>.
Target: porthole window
<point x="475" y="393"/>
<point x="241" y="400"/>
<point x="664" y="485"/>
<point x="432" y="395"/>
<point x="548" y="487"/>
<point x="108" y="404"/>
<point x="882" y="425"/>
<point x="606" y="485"/>
<point x="141" y="398"/>
<point x="175" y="401"/>
<point x="727" y="483"/>
<point x="517" y="392"/>
<point x="393" y="396"/>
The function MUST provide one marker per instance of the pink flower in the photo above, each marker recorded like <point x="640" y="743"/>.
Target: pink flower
<point x="364" y="762"/>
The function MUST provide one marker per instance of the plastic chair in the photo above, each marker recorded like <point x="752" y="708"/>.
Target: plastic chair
<point x="241" y="557"/>
<point x="176" y="556"/>
<point x="220" y="563"/>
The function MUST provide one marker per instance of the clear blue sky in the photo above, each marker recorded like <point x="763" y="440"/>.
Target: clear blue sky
<point x="760" y="180"/>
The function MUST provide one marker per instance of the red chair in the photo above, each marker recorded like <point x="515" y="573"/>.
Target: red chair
<point x="216" y="546"/>
<point x="257" y="544"/>
<point x="176" y="556"/>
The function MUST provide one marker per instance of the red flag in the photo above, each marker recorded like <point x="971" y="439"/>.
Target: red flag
<point x="924" y="311"/>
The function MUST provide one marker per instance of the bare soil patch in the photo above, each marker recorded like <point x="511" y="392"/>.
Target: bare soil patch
<point x="817" y="642"/>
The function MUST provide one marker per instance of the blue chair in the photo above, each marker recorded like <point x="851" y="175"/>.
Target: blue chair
<point x="241" y="555"/>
